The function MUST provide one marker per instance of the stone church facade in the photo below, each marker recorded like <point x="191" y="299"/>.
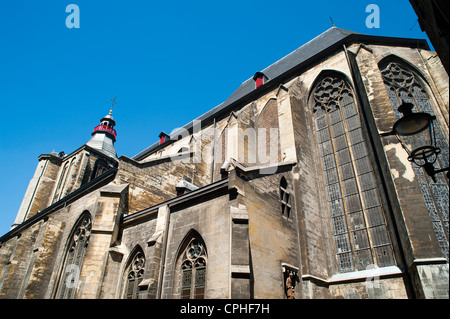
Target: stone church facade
<point x="290" y="175"/>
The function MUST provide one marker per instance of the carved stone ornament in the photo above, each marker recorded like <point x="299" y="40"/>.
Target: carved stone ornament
<point x="328" y="93"/>
<point x="82" y="233"/>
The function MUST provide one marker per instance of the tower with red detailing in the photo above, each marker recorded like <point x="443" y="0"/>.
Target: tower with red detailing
<point x="104" y="135"/>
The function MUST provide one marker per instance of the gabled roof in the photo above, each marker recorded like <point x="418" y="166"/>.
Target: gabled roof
<point x="327" y="42"/>
<point x="302" y="54"/>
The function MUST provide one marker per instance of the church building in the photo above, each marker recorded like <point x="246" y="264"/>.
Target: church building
<point x="302" y="184"/>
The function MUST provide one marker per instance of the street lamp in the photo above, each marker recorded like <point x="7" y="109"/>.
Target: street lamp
<point x="415" y="133"/>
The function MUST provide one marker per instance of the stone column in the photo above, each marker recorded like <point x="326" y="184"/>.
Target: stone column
<point x="240" y="254"/>
<point x="155" y="270"/>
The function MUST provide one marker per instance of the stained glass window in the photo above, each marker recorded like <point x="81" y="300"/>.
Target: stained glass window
<point x="193" y="270"/>
<point x="135" y="275"/>
<point x="356" y="210"/>
<point x="403" y="84"/>
<point x="70" y="275"/>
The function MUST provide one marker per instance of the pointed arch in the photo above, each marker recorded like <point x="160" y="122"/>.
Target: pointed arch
<point x="329" y="73"/>
<point x="100" y="167"/>
<point x="192" y="233"/>
<point x="404" y="83"/>
<point x="283" y="182"/>
<point x="134" y="273"/>
<point x="191" y="267"/>
<point x="74" y="256"/>
<point x="392" y="58"/>
<point x="354" y="198"/>
<point x="269" y="103"/>
<point x="267" y="124"/>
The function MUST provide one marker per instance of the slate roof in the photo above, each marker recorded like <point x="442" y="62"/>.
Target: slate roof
<point x="327" y="42"/>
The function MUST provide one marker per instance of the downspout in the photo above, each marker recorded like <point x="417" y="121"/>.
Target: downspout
<point x="358" y="89"/>
<point x="213" y="153"/>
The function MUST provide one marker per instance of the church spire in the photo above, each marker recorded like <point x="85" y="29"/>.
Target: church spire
<point x="104" y="135"/>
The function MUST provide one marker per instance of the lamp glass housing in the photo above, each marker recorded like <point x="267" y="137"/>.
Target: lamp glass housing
<point x="415" y="132"/>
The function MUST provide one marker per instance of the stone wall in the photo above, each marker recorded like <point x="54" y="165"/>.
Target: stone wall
<point x="416" y="235"/>
<point x="209" y="219"/>
<point x="31" y="260"/>
<point x="273" y="237"/>
<point x="56" y="177"/>
<point x="154" y="180"/>
<point x="252" y="241"/>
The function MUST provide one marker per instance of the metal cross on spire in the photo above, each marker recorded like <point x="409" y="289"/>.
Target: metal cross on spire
<point x="113" y="102"/>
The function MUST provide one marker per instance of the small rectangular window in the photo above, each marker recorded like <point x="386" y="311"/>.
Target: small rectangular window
<point x="284" y="199"/>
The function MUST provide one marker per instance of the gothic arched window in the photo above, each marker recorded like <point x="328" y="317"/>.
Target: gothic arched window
<point x="357" y="213"/>
<point x="193" y="270"/>
<point x="100" y="167"/>
<point x="135" y="274"/>
<point x="403" y="84"/>
<point x="73" y="261"/>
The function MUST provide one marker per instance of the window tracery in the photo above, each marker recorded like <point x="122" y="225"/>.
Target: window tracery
<point x="402" y="84"/>
<point x="193" y="270"/>
<point x="357" y="214"/>
<point x="73" y="262"/>
<point x="135" y="275"/>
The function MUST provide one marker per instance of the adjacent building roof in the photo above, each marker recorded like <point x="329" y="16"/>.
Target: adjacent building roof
<point x="327" y="42"/>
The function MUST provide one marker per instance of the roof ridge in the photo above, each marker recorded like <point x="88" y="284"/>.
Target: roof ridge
<point x="317" y="46"/>
<point x="348" y="32"/>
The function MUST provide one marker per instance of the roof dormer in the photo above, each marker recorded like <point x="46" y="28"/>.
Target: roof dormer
<point x="163" y="137"/>
<point x="260" y="79"/>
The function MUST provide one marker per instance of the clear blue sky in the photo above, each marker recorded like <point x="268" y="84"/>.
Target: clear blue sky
<point x="167" y="61"/>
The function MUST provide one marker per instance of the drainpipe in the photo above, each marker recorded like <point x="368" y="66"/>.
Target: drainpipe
<point x="213" y="153"/>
